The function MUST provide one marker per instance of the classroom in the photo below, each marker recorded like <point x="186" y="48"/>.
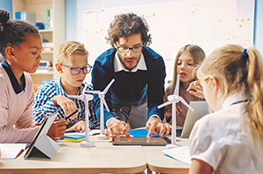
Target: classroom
<point x="173" y="25"/>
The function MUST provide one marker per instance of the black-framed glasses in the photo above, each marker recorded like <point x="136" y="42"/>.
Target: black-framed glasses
<point x="77" y="70"/>
<point x="136" y="49"/>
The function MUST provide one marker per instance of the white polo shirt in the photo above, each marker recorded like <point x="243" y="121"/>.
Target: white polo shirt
<point x="219" y="140"/>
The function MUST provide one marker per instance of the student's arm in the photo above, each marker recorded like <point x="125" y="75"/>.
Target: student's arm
<point x="8" y="135"/>
<point x="205" y="152"/>
<point x="200" y="167"/>
<point x="14" y="135"/>
<point x="43" y="103"/>
<point x="26" y="119"/>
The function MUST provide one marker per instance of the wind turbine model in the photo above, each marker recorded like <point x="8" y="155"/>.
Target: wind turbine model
<point x="85" y="97"/>
<point x="173" y="99"/>
<point x="102" y="102"/>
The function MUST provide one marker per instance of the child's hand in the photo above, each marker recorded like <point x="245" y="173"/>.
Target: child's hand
<point x="178" y="109"/>
<point x="168" y="112"/>
<point x="79" y="126"/>
<point x="66" y="104"/>
<point x="57" y="129"/>
<point x="195" y="88"/>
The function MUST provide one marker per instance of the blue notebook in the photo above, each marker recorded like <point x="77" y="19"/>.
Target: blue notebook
<point x="74" y="136"/>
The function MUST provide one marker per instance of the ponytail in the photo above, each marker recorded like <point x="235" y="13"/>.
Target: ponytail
<point x="255" y="84"/>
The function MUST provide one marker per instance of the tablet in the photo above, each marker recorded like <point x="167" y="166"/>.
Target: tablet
<point x="200" y="110"/>
<point x="142" y="141"/>
<point x="40" y="134"/>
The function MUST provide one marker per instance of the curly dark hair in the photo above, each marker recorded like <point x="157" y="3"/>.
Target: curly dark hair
<point x="12" y="32"/>
<point x="125" y="25"/>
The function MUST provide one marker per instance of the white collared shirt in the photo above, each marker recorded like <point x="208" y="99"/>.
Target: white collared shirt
<point x="220" y="140"/>
<point x="119" y="67"/>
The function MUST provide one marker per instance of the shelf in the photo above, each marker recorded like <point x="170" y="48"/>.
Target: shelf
<point x="56" y="35"/>
<point x="45" y="31"/>
<point x="47" y="52"/>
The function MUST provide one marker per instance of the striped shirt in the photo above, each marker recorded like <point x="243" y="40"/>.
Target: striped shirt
<point x="43" y="104"/>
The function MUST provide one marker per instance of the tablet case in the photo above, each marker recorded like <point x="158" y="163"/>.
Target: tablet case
<point x="43" y="146"/>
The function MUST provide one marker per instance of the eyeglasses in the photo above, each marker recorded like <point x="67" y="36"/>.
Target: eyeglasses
<point x="77" y="70"/>
<point x="136" y="49"/>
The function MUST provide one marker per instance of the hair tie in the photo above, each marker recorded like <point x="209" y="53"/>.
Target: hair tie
<point x="244" y="54"/>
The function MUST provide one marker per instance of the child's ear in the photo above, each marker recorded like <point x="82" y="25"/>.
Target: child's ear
<point x="10" y="51"/>
<point x="215" y="82"/>
<point x="59" y="67"/>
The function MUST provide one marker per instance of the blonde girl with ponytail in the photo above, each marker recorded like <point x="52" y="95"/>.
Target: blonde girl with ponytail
<point x="230" y="140"/>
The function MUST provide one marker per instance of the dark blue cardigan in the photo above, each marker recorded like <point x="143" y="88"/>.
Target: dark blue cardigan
<point x="129" y="87"/>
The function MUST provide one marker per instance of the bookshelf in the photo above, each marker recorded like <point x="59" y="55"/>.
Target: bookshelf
<point x="55" y="35"/>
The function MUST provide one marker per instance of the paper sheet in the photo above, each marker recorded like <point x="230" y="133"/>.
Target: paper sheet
<point x="180" y="154"/>
<point x="11" y="150"/>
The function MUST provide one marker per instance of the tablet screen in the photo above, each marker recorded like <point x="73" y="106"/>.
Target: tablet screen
<point x="154" y="141"/>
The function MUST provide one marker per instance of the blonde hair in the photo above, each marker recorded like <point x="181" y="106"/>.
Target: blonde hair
<point x="70" y="48"/>
<point x="238" y="73"/>
<point x="198" y="55"/>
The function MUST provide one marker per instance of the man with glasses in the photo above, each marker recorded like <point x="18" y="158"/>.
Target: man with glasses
<point x="72" y="64"/>
<point x="139" y="75"/>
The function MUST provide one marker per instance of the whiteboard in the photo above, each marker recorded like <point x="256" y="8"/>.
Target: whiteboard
<point x="207" y="23"/>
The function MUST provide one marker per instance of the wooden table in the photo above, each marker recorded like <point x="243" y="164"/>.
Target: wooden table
<point x="71" y="158"/>
<point x="104" y="158"/>
<point x="158" y="162"/>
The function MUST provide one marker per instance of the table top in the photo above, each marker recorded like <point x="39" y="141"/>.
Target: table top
<point x="160" y="163"/>
<point x="104" y="158"/>
<point x="71" y="158"/>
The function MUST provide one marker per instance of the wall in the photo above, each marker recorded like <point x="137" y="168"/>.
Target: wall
<point x="75" y="27"/>
<point x="258" y="37"/>
<point x="74" y="9"/>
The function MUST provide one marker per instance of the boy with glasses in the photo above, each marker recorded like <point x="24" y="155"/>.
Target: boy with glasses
<point x="139" y="75"/>
<point x="72" y="64"/>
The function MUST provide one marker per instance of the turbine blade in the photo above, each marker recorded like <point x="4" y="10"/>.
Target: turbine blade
<point x="108" y="87"/>
<point x="85" y="88"/>
<point x="105" y="104"/>
<point x="76" y="96"/>
<point x="93" y="92"/>
<point x="176" y="90"/>
<point x="185" y="103"/>
<point x="164" y="104"/>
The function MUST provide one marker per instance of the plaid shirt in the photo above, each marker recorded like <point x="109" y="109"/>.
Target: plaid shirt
<point x="43" y="104"/>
